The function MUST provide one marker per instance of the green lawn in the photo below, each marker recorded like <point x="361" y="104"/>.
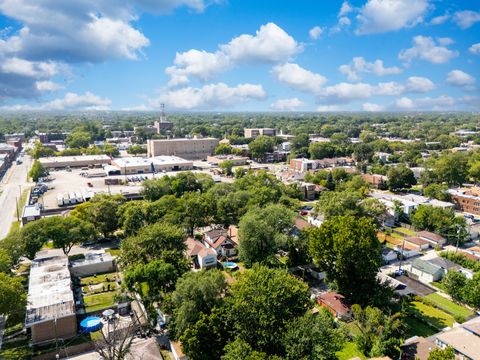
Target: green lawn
<point x="406" y="231"/>
<point x="349" y="351"/>
<point x="99" y="301"/>
<point x="397" y="236"/>
<point x="418" y="328"/>
<point x="92" y="280"/>
<point x="439" y="285"/>
<point x="449" y="306"/>
<point x="113" y="286"/>
<point x="431" y="315"/>
<point x="114" y="252"/>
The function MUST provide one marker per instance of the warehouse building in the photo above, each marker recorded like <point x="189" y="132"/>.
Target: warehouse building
<point x="50" y="304"/>
<point x="191" y="149"/>
<point x="61" y="162"/>
<point x="138" y="165"/>
<point x="219" y="159"/>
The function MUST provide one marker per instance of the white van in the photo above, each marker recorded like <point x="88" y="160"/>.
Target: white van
<point x="60" y="200"/>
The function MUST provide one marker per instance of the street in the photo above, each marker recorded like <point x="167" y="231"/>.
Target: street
<point x="11" y="186"/>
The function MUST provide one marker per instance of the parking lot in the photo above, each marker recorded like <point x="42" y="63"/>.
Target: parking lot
<point x="65" y="182"/>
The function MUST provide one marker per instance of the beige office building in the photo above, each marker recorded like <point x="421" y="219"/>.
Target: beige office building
<point x="191" y="149"/>
<point x="253" y="133"/>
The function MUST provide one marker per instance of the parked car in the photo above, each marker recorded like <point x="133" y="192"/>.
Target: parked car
<point x="89" y="184"/>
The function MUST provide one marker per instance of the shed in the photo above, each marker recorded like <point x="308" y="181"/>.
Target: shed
<point x="426" y="271"/>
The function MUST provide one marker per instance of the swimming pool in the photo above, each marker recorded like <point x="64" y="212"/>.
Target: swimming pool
<point x="230" y="265"/>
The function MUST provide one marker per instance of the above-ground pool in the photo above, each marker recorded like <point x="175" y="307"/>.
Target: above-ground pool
<point x="230" y="265"/>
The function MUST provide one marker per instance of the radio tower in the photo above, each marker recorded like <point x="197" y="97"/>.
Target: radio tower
<point x="163" y="118"/>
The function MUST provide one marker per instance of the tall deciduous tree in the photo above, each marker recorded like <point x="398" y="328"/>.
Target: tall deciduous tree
<point x="12" y="296"/>
<point x="261" y="146"/>
<point x="37" y="171"/>
<point x="262" y="302"/>
<point x="196" y="293"/>
<point x="400" y="177"/>
<point x="313" y="337"/>
<point x="347" y="248"/>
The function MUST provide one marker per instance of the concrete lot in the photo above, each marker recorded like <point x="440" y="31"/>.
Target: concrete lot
<point x="66" y="182"/>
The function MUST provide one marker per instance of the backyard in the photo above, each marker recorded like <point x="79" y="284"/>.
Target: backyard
<point x="458" y="311"/>
<point x="431" y="315"/>
<point x="99" y="291"/>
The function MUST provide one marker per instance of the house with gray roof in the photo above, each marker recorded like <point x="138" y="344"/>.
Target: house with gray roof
<point x="426" y="271"/>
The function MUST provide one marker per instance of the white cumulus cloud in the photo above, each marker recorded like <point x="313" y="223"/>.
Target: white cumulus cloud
<point x="466" y="18"/>
<point x="419" y="84"/>
<point x="371" y="107"/>
<point x="287" y="104"/>
<point x="460" y="78"/>
<point x="359" y="65"/>
<point x="425" y="48"/>
<point x="270" y="44"/>
<point x="390" y="88"/>
<point x="315" y="32"/>
<point x="345" y="92"/>
<point x="438" y="20"/>
<point x="378" y="16"/>
<point x="345" y="9"/>
<point x="211" y="96"/>
<point x="298" y="78"/>
<point x="427" y="103"/>
<point x="71" y="101"/>
<point x="475" y="49"/>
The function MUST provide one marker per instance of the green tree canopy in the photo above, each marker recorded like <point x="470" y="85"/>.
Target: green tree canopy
<point x="262" y="302"/>
<point x="261" y="146"/>
<point x="347" y="248"/>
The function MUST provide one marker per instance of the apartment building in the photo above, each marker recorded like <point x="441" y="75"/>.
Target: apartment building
<point x="466" y="199"/>
<point x="253" y="133"/>
<point x="190" y="149"/>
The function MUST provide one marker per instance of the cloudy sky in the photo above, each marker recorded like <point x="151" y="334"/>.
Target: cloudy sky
<point x="282" y="55"/>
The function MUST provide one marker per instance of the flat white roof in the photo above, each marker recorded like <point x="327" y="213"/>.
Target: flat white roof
<point x="54" y="159"/>
<point x="49" y="290"/>
<point x="184" y="139"/>
<point x="93" y="258"/>
<point x="157" y="160"/>
<point x="31" y="210"/>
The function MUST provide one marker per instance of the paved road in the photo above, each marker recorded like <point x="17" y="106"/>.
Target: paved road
<point x="10" y="187"/>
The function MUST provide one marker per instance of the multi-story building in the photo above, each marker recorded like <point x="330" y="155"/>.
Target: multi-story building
<point x="191" y="149"/>
<point x="51" y="307"/>
<point x="467" y="200"/>
<point x="253" y="133"/>
<point x="304" y="165"/>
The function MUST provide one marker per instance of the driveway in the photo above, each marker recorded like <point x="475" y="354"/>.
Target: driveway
<point x="420" y="288"/>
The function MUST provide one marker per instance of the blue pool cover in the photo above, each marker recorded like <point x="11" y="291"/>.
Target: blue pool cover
<point x="90" y="324"/>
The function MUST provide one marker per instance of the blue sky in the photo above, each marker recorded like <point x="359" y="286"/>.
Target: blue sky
<point x="302" y="55"/>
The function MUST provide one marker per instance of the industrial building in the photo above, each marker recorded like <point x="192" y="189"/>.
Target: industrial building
<point x="60" y="162"/>
<point x="50" y="304"/>
<point x="253" y="133"/>
<point x="191" y="149"/>
<point x="31" y="213"/>
<point x="138" y="165"/>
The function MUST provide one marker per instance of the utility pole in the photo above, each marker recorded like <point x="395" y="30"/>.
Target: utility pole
<point x="16" y="201"/>
<point x="401" y="256"/>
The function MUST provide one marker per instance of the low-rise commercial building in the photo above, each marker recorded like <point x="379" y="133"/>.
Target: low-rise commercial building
<point x="304" y="165"/>
<point x="30" y="213"/>
<point x="61" y="162"/>
<point x="50" y="303"/>
<point x="138" y="165"/>
<point x="191" y="149"/>
<point x="466" y="199"/>
<point x="220" y="159"/>
<point x="253" y="133"/>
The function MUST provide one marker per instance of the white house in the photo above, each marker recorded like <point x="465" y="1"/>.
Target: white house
<point x="201" y="256"/>
<point x="389" y="255"/>
<point x="207" y="258"/>
<point x="426" y="271"/>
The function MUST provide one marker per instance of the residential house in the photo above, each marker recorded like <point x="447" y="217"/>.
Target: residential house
<point x="417" y="347"/>
<point x="93" y="263"/>
<point x="464" y="339"/>
<point x="434" y="239"/>
<point x="299" y="225"/>
<point x="199" y="254"/>
<point x="377" y="181"/>
<point x="448" y="265"/>
<point x="426" y="271"/>
<point x="218" y="240"/>
<point x="417" y="241"/>
<point x="389" y="255"/>
<point x="336" y="304"/>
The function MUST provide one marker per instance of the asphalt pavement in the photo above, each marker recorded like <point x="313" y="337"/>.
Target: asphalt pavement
<point x="12" y="185"/>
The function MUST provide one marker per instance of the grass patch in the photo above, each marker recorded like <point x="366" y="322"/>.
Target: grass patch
<point x="449" y="306"/>
<point x="406" y="231"/>
<point x="114" y="252"/>
<point x="105" y="288"/>
<point x="99" y="301"/>
<point x="416" y="327"/>
<point x="98" y="279"/>
<point x="436" y="317"/>
<point x="349" y="351"/>
<point x="439" y="285"/>
<point x="397" y="236"/>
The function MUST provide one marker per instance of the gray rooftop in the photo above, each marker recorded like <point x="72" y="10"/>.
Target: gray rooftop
<point x="426" y="266"/>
